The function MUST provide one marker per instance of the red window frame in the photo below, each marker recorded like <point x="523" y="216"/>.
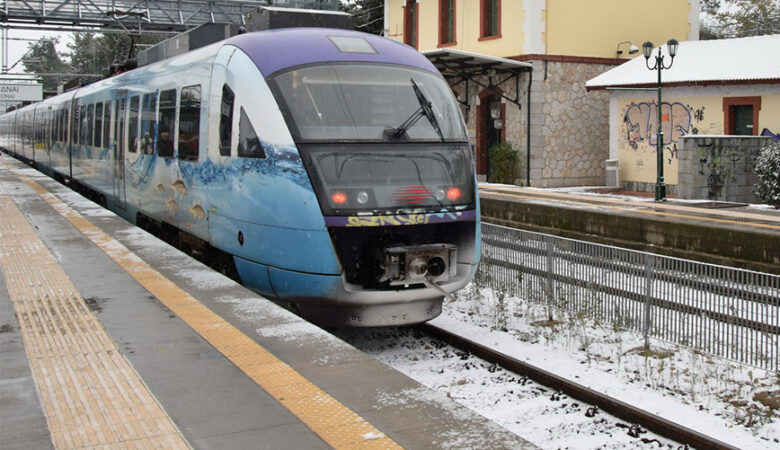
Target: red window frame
<point x="728" y="112"/>
<point x="443" y="25"/>
<point x="485" y="31"/>
<point x="411" y="23"/>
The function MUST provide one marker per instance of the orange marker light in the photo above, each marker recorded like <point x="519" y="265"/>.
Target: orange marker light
<point x="339" y="198"/>
<point x="453" y="194"/>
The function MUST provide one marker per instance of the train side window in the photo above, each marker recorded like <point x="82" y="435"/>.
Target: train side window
<point x="63" y="124"/>
<point x="97" y="137"/>
<point x="88" y="130"/>
<point x="132" y="124"/>
<point x="189" y="123"/>
<point x="119" y="126"/>
<point x="165" y="127"/>
<point x="36" y="136"/>
<point x="66" y="124"/>
<point x="226" y="121"/>
<point x="82" y="127"/>
<point x="58" y="125"/>
<point x="249" y="145"/>
<point x="107" y="124"/>
<point x="148" y="123"/>
<point x="47" y="124"/>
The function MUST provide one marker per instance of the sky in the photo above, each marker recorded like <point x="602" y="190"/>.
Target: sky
<point x="17" y="48"/>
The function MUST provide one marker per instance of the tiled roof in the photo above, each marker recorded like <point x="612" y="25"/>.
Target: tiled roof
<point x="741" y="60"/>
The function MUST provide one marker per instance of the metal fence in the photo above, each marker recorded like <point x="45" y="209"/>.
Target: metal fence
<point x="722" y="311"/>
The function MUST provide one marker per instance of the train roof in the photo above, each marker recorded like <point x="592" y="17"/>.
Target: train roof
<point x="275" y="50"/>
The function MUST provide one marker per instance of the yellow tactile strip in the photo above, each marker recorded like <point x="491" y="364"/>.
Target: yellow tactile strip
<point x="91" y="396"/>
<point x="332" y="421"/>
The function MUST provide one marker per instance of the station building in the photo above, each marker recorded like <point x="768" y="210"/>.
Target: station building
<point x="728" y="87"/>
<point x="519" y="68"/>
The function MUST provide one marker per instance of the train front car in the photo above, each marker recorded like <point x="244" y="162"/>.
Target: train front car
<point x="383" y="143"/>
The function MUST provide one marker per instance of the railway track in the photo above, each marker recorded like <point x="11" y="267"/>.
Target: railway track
<point x="617" y="408"/>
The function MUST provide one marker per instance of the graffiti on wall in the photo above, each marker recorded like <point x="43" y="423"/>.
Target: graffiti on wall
<point x="641" y="120"/>
<point x="722" y="165"/>
<point x="766" y="133"/>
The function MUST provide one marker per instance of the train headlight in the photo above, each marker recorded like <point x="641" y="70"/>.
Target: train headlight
<point x="440" y="194"/>
<point x="339" y="198"/>
<point x="362" y="197"/>
<point x="436" y="266"/>
<point x="453" y="194"/>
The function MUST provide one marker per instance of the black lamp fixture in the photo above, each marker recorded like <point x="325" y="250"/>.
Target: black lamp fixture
<point x="647" y="50"/>
<point x="632" y="49"/>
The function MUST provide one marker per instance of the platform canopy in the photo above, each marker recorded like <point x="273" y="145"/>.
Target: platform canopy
<point x="140" y="16"/>
<point x="458" y="66"/>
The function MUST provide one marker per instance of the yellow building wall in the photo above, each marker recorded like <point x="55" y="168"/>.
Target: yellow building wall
<point x="595" y="27"/>
<point x="636" y="130"/>
<point x="394" y="28"/>
<point x="512" y="34"/>
<point x="769" y="116"/>
<point x="573" y="27"/>
<point x="467" y="26"/>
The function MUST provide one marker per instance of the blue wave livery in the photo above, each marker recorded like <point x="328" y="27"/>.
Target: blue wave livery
<point x="330" y="169"/>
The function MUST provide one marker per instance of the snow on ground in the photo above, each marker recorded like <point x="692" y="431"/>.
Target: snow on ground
<point x="718" y="398"/>
<point x="722" y="399"/>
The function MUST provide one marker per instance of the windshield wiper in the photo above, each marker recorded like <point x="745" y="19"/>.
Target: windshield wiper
<point x="425" y="109"/>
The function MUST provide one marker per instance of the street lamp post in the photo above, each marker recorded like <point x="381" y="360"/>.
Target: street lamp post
<point x="647" y="49"/>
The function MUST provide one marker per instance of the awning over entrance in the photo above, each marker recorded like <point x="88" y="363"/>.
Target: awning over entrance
<point x="458" y="66"/>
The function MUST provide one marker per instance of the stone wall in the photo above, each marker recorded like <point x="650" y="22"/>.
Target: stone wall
<point x="569" y="126"/>
<point x="719" y="167"/>
<point x="514" y="118"/>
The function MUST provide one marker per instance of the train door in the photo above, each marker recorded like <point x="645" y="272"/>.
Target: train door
<point x="34" y="132"/>
<point x="73" y="125"/>
<point x="120" y="144"/>
<point x="48" y="132"/>
<point x="15" y="134"/>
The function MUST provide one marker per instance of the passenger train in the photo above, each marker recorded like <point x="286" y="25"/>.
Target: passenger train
<point x="331" y="169"/>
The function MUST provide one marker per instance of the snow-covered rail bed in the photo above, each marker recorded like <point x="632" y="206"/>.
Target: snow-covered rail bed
<point x="545" y="416"/>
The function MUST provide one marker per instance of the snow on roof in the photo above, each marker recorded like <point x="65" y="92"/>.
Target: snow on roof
<point x="738" y="60"/>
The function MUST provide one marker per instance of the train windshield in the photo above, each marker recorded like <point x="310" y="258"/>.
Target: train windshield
<point x="390" y="178"/>
<point x="369" y="102"/>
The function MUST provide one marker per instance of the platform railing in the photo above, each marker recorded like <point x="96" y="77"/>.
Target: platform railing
<point x="722" y="311"/>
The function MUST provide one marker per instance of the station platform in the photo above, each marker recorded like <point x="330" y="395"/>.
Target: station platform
<point x="110" y="338"/>
<point x="730" y="234"/>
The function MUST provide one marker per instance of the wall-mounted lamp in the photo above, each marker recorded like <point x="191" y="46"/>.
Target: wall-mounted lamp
<point x="632" y="49"/>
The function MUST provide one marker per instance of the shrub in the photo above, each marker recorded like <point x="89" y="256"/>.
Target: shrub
<point x="503" y="163"/>
<point x="768" y="172"/>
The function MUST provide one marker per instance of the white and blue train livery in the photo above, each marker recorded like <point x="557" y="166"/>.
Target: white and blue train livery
<point x="327" y="168"/>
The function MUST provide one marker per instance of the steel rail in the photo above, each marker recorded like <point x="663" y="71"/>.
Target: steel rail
<point x="617" y="408"/>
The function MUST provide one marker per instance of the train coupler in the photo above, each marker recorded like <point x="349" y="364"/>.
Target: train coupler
<point x="406" y="264"/>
